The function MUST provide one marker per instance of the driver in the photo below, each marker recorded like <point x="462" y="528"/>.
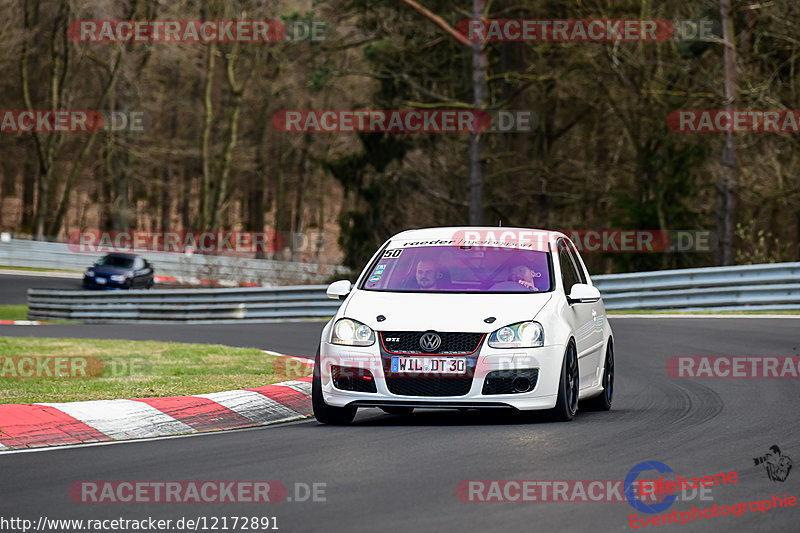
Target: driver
<point x="427" y="275"/>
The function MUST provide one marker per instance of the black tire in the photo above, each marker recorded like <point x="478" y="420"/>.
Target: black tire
<point x="397" y="410"/>
<point x="324" y="413"/>
<point x="603" y="402"/>
<point x="568" y="387"/>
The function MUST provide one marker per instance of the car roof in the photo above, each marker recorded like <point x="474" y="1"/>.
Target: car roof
<point x="125" y="256"/>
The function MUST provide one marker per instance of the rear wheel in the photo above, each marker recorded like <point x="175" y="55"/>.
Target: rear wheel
<point x="603" y="402"/>
<point x="397" y="410"/>
<point x="569" y="385"/>
<point x="324" y="413"/>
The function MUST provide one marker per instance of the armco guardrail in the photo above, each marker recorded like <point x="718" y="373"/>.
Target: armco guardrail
<point x="756" y="287"/>
<point x="182" y="305"/>
<point x="39" y="254"/>
<point x="775" y="286"/>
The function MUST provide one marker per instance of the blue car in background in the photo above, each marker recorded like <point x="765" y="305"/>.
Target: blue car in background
<point x="119" y="271"/>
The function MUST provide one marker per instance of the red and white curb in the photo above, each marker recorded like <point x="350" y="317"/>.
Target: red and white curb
<point x="21" y="323"/>
<point x="51" y="424"/>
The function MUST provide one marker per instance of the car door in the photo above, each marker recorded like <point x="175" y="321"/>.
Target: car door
<point x="147" y="280"/>
<point x="578" y="316"/>
<point x="139" y="277"/>
<point x="596" y="356"/>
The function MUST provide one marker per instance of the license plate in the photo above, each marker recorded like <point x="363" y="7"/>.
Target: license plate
<point x="100" y="281"/>
<point x="429" y="365"/>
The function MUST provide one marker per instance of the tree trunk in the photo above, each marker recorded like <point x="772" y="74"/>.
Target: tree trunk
<point x="476" y="138"/>
<point x="28" y="193"/>
<point x="256" y="203"/>
<point x="186" y="198"/>
<point x="205" y="154"/>
<point x="726" y="184"/>
<point x="221" y="188"/>
<point x="45" y="148"/>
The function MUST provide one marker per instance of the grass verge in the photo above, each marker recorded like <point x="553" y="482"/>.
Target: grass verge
<point x="111" y="369"/>
<point x="13" y="312"/>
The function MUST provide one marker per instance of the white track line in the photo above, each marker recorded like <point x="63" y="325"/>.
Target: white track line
<point x="123" y="419"/>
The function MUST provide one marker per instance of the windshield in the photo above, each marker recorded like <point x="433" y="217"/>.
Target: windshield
<point x="116" y="261"/>
<point x="460" y="269"/>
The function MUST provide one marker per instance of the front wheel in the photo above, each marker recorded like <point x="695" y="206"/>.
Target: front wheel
<point x="603" y="402"/>
<point x="324" y="413"/>
<point x="568" y="387"/>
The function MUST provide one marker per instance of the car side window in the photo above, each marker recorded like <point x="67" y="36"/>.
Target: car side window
<point x="574" y="254"/>
<point x="569" y="275"/>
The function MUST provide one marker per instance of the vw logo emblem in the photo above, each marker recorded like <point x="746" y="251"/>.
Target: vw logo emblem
<point x="430" y="342"/>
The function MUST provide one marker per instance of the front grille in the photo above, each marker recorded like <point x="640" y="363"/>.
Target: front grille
<point x="452" y="343"/>
<point x="352" y="379"/>
<point x="502" y="381"/>
<point x="429" y="386"/>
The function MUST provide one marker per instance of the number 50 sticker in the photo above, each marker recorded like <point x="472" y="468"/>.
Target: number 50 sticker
<point x="391" y="254"/>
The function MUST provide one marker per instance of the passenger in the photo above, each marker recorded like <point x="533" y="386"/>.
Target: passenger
<point x="523" y="275"/>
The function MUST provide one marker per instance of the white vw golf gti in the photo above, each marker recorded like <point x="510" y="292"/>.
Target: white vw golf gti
<point x="466" y="318"/>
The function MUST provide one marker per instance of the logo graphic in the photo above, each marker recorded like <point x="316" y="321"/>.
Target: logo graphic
<point x="630" y="482"/>
<point x="430" y="342"/>
<point x="777" y="465"/>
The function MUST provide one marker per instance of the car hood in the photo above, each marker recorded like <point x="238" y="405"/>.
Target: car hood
<point x="442" y="311"/>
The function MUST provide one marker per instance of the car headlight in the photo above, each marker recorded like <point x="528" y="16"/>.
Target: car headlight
<point x="118" y="277"/>
<point x="520" y="335"/>
<point x="352" y="333"/>
<point x="89" y="272"/>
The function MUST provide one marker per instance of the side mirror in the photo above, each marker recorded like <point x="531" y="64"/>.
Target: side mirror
<point x="582" y="293"/>
<point x="338" y="290"/>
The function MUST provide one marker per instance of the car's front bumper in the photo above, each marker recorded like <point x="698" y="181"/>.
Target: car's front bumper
<point x="546" y="359"/>
<point x="90" y="282"/>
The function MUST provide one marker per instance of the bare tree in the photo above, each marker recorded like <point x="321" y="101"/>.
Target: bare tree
<point x="726" y="184"/>
<point x="478" y="102"/>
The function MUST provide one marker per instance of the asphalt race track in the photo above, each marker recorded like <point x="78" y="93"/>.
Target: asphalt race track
<point x="291" y="338"/>
<point x="399" y="473"/>
<point x="14" y="288"/>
